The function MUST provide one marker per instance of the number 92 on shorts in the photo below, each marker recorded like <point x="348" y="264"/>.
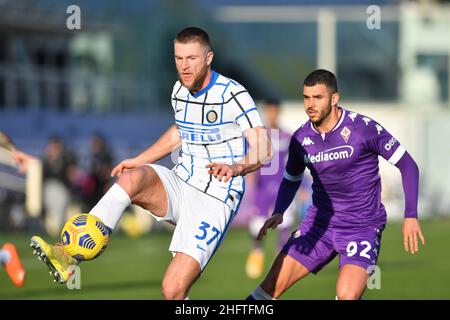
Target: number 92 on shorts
<point x="315" y="246"/>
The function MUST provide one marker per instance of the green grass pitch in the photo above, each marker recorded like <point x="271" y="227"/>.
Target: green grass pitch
<point x="134" y="268"/>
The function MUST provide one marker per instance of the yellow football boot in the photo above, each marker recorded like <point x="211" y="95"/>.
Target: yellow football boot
<point x="56" y="259"/>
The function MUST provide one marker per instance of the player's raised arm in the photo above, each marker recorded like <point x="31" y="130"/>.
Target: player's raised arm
<point x="259" y="153"/>
<point x="288" y="188"/>
<point x="167" y="143"/>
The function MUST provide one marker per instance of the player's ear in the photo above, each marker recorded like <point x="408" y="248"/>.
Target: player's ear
<point x="209" y="57"/>
<point x="335" y="99"/>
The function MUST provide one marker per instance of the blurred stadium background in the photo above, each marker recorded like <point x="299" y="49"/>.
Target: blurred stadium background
<point x="82" y="100"/>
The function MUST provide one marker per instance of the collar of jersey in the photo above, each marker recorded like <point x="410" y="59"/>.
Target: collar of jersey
<point x="214" y="77"/>
<point x="337" y="125"/>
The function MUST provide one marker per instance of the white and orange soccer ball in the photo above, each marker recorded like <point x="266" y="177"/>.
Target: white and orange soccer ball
<point x="84" y="237"/>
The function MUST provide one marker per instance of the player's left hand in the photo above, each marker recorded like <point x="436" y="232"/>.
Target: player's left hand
<point x="222" y="170"/>
<point x="411" y="232"/>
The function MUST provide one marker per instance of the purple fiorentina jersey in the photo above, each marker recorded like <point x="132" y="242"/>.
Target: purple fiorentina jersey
<point x="344" y="166"/>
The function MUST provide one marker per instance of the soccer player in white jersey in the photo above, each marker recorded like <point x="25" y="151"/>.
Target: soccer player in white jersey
<point x="214" y="118"/>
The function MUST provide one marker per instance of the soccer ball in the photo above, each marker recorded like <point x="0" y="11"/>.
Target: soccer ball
<point x="84" y="237"/>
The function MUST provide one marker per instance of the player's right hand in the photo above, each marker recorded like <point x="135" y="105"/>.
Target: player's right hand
<point x="126" y="164"/>
<point x="272" y="222"/>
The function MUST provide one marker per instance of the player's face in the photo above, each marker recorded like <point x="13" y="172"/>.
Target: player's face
<point x="193" y="60"/>
<point x="272" y="114"/>
<point x="318" y="101"/>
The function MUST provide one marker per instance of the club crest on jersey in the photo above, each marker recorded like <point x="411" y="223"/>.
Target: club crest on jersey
<point x="211" y="116"/>
<point x="297" y="234"/>
<point x="345" y="134"/>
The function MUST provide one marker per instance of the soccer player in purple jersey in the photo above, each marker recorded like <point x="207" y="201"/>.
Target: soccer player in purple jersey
<point x="265" y="186"/>
<point x="346" y="218"/>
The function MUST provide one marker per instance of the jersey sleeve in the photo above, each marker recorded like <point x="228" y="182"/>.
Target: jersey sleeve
<point x="381" y="142"/>
<point x="295" y="166"/>
<point x="247" y="115"/>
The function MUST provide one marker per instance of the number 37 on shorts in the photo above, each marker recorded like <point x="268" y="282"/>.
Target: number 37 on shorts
<point x="207" y="234"/>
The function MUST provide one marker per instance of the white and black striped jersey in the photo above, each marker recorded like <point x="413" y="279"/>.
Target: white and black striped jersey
<point x="211" y="125"/>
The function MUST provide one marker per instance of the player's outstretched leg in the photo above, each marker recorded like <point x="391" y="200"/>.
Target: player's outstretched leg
<point x="140" y="186"/>
<point x="13" y="265"/>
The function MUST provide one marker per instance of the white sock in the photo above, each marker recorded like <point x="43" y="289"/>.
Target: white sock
<point x="4" y="256"/>
<point x="260" y="294"/>
<point x="111" y="206"/>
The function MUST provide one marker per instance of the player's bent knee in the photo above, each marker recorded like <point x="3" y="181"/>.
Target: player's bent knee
<point x="132" y="181"/>
<point x="172" y="291"/>
<point x="346" y="294"/>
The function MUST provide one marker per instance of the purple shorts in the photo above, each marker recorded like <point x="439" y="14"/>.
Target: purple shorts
<point x="315" y="246"/>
